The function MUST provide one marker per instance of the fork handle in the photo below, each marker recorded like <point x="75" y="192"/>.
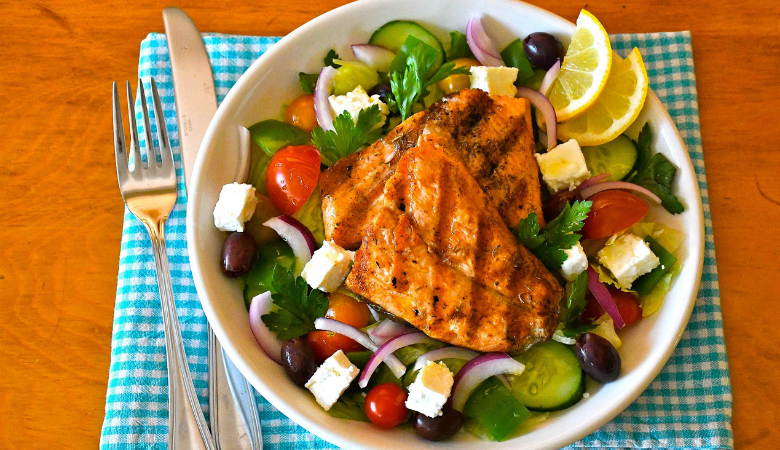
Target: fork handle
<point x="187" y="428"/>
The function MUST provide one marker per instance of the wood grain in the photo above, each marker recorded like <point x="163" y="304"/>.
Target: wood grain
<point x="61" y="213"/>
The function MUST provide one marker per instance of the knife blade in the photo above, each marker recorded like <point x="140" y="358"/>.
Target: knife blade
<point x="196" y="104"/>
<point x="193" y="84"/>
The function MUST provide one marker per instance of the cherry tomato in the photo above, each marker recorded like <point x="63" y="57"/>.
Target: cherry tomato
<point x="613" y="211"/>
<point x="385" y="405"/>
<point x="344" y="309"/>
<point x="454" y="83"/>
<point x="301" y="113"/>
<point x="292" y="176"/>
<point x="627" y="305"/>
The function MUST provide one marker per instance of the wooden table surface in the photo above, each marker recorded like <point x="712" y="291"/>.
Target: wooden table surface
<point x="61" y="213"/>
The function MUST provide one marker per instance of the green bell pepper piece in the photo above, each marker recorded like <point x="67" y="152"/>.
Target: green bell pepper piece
<point x="270" y="137"/>
<point x="496" y="408"/>
<point x="514" y="56"/>
<point x="258" y="280"/>
<point x="273" y="135"/>
<point x="645" y="284"/>
<point x="359" y="359"/>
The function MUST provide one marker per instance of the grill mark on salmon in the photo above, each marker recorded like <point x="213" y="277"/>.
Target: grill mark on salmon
<point x="492" y="136"/>
<point x="468" y="316"/>
<point x="473" y="240"/>
<point x="467" y="280"/>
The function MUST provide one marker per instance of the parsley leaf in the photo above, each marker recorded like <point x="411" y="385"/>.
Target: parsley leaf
<point x="575" y="329"/>
<point x="308" y="81"/>
<point x="655" y="173"/>
<point x="657" y="177"/>
<point x="347" y="135"/>
<point x="576" y="302"/>
<point x="330" y="57"/>
<point x="297" y="306"/>
<point x="549" y="243"/>
<point x="459" y="48"/>
<point x="409" y="87"/>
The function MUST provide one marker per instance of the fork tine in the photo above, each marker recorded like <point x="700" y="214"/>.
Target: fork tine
<point x="135" y="149"/>
<point x="162" y="130"/>
<point x="151" y="159"/>
<point x="120" y="148"/>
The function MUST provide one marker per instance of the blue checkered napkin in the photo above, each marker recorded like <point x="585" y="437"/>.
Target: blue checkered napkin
<point x="688" y="406"/>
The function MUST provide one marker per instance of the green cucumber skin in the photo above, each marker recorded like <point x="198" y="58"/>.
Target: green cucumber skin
<point x="620" y="162"/>
<point x="556" y="352"/>
<point x="573" y="400"/>
<point x="393" y="34"/>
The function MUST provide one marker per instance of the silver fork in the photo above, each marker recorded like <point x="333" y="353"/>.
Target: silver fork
<point x="150" y="194"/>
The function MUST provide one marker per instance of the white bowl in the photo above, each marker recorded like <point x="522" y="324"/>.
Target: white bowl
<point x="273" y="81"/>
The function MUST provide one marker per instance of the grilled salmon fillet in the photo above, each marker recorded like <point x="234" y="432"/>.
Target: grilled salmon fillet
<point x="438" y="254"/>
<point x="491" y="136"/>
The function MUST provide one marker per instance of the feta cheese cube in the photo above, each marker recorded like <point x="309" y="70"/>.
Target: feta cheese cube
<point x="494" y="80"/>
<point x="576" y="262"/>
<point x="355" y="101"/>
<point x="431" y="389"/>
<point x="628" y="257"/>
<point x="563" y="167"/>
<point x="236" y="205"/>
<point x="328" y="267"/>
<point x="331" y="379"/>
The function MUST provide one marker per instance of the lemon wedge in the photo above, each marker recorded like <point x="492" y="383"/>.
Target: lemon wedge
<point x="584" y="71"/>
<point x="616" y="109"/>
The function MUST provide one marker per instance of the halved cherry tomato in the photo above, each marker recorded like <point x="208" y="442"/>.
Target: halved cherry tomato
<point x="627" y="305"/>
<point x="301" y="113"/>
<point x="292" y="176"/>
<point x="613" y="211"/>
<point x="385" y="405"/>
<point x="344" y="309"/>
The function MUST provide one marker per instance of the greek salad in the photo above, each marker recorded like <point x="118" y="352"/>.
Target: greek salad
<point x="362" y="364"/>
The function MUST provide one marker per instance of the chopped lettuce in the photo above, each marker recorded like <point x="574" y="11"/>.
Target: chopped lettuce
<point x="352" y="74"/>
<point x="652" y="302"/>
<point x="310" y="215"/>
<point x="606" y="277"/>
<point x="351" y="406"/>
<point x="667" y="237"/>
<point x="606" y="329"/>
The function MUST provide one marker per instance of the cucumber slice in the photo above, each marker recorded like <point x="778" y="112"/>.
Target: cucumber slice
<point x="617" y="157"/>
<point x="393" y="34"/>
<point x="552" y="379"/>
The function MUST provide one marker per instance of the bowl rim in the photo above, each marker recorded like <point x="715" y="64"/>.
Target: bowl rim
<point x="242" y="88"/>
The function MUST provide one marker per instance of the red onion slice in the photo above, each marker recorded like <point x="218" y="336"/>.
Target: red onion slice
<point x="549" y="77"/>
<point x="386" y="330"/>
<point x="593" y="180"/>
<point x="326" y="324"/>
<point x="478" y="370"/>
<point x="386" y="350"/>
<point x="624" y="185"/>
<point x="297" y="236"/>
<point x="321" y="93"/>
<point x="481" y="45"/>
<point x="546" y="108"/>
<point x="376" y="57"/>
<point x="444" y="353"/>
<point x="374" y="313"/>
<point x="261" y="305"/>
<point x="600" y="291"/>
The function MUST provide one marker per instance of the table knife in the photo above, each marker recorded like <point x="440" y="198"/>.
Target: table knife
<point x="193" y="85"/>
